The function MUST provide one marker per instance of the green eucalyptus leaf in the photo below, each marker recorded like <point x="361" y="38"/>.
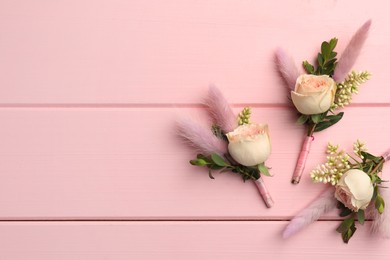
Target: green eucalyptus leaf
<point x="218" y="160"/>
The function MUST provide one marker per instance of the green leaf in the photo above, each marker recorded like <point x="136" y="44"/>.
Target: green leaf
<point x="198" y="162"/>
<point x="333" y="43"/>
<point x="345" y="212"/>
<point x="368" y="168"/>
<point x="345" y="225"/>
<point x="302" y="119"/>
<point x="326" y="59"/>
<point x="320" y="59"/>
<point x="316" y="118"/>
<point x="371" y="157"/>
<point x="328" y="122"/>
<point x="308" y="67"/>
<point x="213" y="166"/>
<point x="218" y="160"/>
<point x="247" y="173"/>
<point x="325" y="49"/>
<point x="347" y="228"/>
<point x="379" y="204"/>
<point x="329" y="63"/>
<point x="322" y="126"/>
<point x="263" y="169"/>
<point x="361" y="217"/>
<point x="333" y="55"/>
<point x="348" y="234"/>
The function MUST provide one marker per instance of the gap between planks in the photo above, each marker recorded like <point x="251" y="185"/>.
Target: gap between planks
<point x="160" y="220"/>
<point x="167" y="105"/>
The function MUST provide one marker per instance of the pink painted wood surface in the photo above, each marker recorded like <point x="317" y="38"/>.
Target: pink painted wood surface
<point x="128" y="163"/>
<point x="182" y="240"/>
<point x="89" y="92"/>
<point x="118" y="51"/>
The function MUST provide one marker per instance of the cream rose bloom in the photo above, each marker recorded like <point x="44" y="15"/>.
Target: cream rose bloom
<point x="354" y="190"/>
<point x="249" y="144"/>
<point x="313" y="94"/>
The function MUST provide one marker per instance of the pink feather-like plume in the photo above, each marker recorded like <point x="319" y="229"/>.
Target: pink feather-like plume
<point x="200" y="138"/>
<point x="381" y="223"/>
<point x="351" y="52"/>
<point x="287" y="68"/>
<point x="220" y="110"/>
<point x="323" y="204"/>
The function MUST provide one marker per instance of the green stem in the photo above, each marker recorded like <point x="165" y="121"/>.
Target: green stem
<point x="378" y="165"/>
<point x="239" y="171"/>
<point x="311" y="129"/>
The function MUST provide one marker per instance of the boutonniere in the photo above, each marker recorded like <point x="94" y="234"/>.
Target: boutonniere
<point x="356" y="189"/>
<point x="232" y="143"/>
<point x="325" y="88"/>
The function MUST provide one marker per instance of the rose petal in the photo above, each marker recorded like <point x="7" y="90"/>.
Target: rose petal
<point x="249" y="144"/>
<point x="359" y="183"/>
<point x="310" y="105"/>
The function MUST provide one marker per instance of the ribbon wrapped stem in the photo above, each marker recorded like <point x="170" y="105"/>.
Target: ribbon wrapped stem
<point x="269" y="202"/>
<point x="300" y="166"/>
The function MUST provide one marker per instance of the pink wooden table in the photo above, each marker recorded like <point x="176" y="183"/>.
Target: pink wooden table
<point x="90" y="167"/>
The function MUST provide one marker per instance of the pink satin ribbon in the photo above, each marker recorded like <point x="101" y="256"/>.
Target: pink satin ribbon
<point x="269" y="202"/>
<point x="300" y="167"/>
<point x="386" y="156"/>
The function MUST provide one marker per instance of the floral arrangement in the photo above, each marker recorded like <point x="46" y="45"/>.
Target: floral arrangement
<point x="323" y="89"/>
<point x="356" y="189"/>
<point x="231" y="143"/>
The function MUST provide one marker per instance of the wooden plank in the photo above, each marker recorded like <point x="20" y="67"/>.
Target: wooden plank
<point x="147" y="52"/>
<point x="182" y="240"/>
<point x="126" y="163"/>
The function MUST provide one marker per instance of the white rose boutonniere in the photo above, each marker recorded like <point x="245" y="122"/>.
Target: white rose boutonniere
<point x="231" y="144"/>
<point x="327" y="85"/>
<point x="355" y="185"/>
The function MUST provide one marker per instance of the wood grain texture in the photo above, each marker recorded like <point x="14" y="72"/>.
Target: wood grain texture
<point x="89" y="94"/>
<point x="182" y="240"/>
<point x="141" y="52"/>
<point x="128" y="163"/>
